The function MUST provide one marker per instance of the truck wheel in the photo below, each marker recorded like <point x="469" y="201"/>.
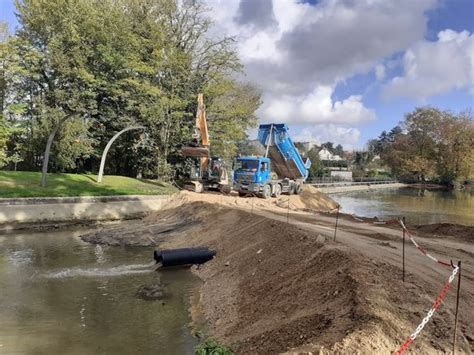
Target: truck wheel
<point x="277" y="192"/>
<point x="242" y="194"/>
<point x="297" y="189"/>
<point x="267" y="191"/>
<point x="291" y="190"/>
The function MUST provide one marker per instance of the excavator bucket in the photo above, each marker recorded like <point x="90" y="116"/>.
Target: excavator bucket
<point x="194" y="186"/>
<point x="197" y="152"/>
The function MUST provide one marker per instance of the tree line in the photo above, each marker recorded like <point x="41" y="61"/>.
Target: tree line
<point x="98" y="66"/>
<point x="429" y="145"/>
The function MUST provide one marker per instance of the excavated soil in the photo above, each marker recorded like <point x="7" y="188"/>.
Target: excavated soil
<point x="440" y="230"/>
<point x="275" y="288"/>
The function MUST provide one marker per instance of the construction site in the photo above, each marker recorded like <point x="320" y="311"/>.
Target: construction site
<point x="216" y="177"/>
<point x="282" y="269"/>
<point x="279" y="283"/>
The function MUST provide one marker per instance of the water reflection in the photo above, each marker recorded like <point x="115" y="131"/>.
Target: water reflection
<point x="60" y="295"/>
<point x="420" y="206"/>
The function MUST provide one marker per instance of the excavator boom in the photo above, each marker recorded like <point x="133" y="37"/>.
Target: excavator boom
<point x="200" y="136"/>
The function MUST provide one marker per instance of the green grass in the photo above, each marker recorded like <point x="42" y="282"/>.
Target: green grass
<point x="27" y="184"/>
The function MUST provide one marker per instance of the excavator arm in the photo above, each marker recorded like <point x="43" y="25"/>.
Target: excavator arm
<point x="201" y="136"/>
<point x="212" y="172"/>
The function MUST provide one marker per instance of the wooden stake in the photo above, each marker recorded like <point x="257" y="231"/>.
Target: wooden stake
<point x="337" y="219"/>
<point x="403" y="253"/>
<point x="457" y="308"/>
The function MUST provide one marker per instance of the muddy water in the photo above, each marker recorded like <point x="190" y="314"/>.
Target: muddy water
<point x="59" y="295"/>
<point x="420" y="206"/>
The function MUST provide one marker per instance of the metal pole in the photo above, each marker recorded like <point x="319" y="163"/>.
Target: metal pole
<point x="107" y="147"/>
<point x="403" y="253"/>
<point x="44" y="170"/>
<point x="457" y="308"/>
<point x="337" y="219"/>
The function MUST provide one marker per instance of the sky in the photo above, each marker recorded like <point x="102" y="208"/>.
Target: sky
<point x="344" y="70"/>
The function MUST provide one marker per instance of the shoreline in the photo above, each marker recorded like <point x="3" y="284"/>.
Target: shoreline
<point x="19" y="212"/>
<point x="367" y="187"/>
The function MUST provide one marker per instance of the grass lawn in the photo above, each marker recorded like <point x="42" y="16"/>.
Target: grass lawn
<point x="27" y="184"/>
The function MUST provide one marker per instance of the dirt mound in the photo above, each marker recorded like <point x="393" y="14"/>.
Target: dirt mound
<point x="150" y="231"/>
<point x="458" y="231"/>
<point x="273" y="287"/>
<point x="309" y="199"/>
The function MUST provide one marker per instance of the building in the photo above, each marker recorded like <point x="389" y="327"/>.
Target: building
<point x="325" y="154"/>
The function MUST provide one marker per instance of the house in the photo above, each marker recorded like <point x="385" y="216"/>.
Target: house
<point x="325" y="154"/>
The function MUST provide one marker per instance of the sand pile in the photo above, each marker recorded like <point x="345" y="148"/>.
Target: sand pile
<point x="308" y="199"/>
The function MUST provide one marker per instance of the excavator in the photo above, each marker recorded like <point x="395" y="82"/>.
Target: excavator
<point x="206" y="172"/>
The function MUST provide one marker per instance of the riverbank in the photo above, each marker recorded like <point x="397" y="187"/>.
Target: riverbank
<point x="365" y="187"/>
<point x="23" y="212"/>
<point x="279" y="283"/>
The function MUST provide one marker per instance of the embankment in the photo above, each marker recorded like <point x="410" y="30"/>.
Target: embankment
<point x="20" y="211"/>
<point x="365" y="187"/>
<point x="274" y="287"/>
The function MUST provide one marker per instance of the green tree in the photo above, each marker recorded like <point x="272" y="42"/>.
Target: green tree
<point x="116" y="63"/>
<point x="5" y="129"/>
<point x="431" y="144"/>
<point x="230" y="114"/>
<point x="316" y="168"/>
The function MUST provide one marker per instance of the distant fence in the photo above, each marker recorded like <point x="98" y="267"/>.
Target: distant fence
<point x="328" y="182"/>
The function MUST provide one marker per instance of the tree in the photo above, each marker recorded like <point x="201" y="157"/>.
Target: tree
<point x="339" y="150"/>
<point x="5" y="129"/>
<point x="316" y="165"/>
<point x="454" y="139"/>
<point x="230" y="114"/>
<point x="329" y="146"/>
<point x="431" y="144"/>
<point x="117" y="63"/>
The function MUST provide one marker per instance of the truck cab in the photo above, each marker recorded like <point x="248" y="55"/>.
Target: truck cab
<point x="251" y="174"/>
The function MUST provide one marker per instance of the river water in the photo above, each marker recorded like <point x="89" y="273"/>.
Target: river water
<point x="59" y="295"/>
<point x="419" y="206"/>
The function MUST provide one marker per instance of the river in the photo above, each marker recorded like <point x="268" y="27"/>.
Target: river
<point x="419" y="206"/>
<point x="60" y="295"/>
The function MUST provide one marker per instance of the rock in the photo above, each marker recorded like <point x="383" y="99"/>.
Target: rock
<point x="227" y="263"/>
<point x="150" y="292"/>
<point x="259" y="251"/>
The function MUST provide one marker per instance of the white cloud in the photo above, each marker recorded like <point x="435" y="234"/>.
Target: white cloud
<point x="348" y="137"/>
<point x="380" y="72"/>
<point x="297" y="52"/>
<point x="315" y="107"/>
<point x="432" y="68"/>
<point x="293" y="45"/>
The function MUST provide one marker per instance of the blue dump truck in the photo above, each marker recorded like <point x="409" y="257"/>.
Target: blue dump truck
<point x="281" y="170"/>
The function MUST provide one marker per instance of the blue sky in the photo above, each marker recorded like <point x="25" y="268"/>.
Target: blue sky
<point x="346" y="70"/>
